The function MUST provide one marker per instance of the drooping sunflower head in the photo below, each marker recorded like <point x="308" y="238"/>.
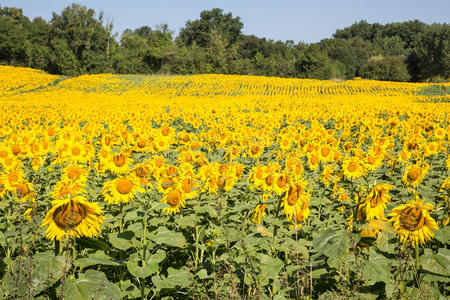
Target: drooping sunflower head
<point x="73" y="217"/>
<point x="259" y="213"/>
<point x="375" y="202"/>
<point x="413" y="223"/>
<point x="295" y="199"/>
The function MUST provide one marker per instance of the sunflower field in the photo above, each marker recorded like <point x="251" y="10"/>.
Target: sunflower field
<point x="222" y="186"/>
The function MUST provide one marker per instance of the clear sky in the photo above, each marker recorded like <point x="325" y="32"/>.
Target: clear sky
<point x="307" y="21"/>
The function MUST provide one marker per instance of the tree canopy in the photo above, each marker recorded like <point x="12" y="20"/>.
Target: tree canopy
<point x="79" y="41"/>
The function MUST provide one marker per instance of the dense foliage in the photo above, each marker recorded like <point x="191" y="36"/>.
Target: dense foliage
<point x="222" y="186"/>
<point x="77" y="41"/>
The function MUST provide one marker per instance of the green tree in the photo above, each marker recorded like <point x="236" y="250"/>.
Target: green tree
<point x="199" y="31"/>
<point x="315" y="63"/>
<point x="86" y="37"/>
<point x="15" y="48"/>
<point x="392" y="68"/>
<point x="430" y="57"/>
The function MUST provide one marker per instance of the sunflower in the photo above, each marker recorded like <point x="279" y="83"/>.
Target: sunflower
<point x="12" y="178"/>
<point x="295" y="199"/>
<point x="67" y="189"/>
<point x="327" y="174"/>
<point x="353" y="168"/>
<point x="122" y="189"/>
<point x="301" y="215"/>
<point x="375" y="202"/>
<point x="372" y="228"/>
<point x="175" y="199"/>
<point x="255" y="151"/>
<point x="24" y="191"/>
<point x="73" y="217"/>
<point x="413" y="223"/>
<point x="414" y="174"/>
<point x="143" y="172"/>
<point x="281" y="184"/>
<point x="75" y="172"/>
<point x="260" y="212"/>
<point x="2" y="188"/>
<point x="119" y="163"/>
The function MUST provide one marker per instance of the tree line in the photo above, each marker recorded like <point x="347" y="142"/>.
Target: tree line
<point x="80" y="41"/>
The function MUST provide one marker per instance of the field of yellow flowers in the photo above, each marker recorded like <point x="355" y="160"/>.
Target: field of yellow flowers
<point x="222" y="186"/>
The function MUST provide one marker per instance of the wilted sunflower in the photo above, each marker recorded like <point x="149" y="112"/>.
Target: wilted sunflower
<point x="73" y="217"/>
<point x="122" y="189"/>
<point x="413" y="223"/>
<point x="260" y="211"/>
<point x="414" y="174"/>
<point x="372" y="228"/>
<point x="175" y="199"/>
<point x="375" y="202"/>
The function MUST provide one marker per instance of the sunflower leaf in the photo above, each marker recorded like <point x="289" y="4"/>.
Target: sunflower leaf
<point x="169" y="238"/>
<point x="331" y="243"/>
<point x="50" y="269"/>
<point x="91" y="285"/>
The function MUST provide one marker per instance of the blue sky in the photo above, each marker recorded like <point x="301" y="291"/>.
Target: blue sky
<point x="307" y="21"/>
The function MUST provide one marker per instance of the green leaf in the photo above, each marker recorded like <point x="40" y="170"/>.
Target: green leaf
<point x="122" y="240"/>
<point x="49" y="270"/>
<point x="443" y="235"/>
<point x="141" y="271"/>
<point x="150" y="267"/>
<point x="436" y="263"/>
<point x="92" y="243"/>
<point x="331" y="243"/>
<point x="92" y="260"/>
<point x="377" y="269"/>
<point x="181" y="277"/>
<point x="270" y="267"/>
<point x="170" y="238"/>
<point x="91" y="285"/>
<point x="202" y="274"/>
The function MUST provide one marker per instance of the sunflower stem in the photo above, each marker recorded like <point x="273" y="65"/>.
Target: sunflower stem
<point x="275" y="227"/>
<point x="417" y="258"/>
<point x="196" y="247"/>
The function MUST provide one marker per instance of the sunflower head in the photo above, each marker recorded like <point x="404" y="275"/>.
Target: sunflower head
<point x="413" y="223"/>
<point x="414" y="174"/>
<point x="73" y="217"/>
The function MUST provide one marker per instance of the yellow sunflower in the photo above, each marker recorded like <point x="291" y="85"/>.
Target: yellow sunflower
<point x="67" y="189"/>
<point x="175" y="199"/>
<point x="25" y="191"/>
<point x="73" y="217"/>
<point x="122" y="189"/>
<point x="414" y="174"/>
<point x="2" y="188"/>
<point x="75" y="172"/>
<point x="353" y="168"/>
<point x="372" y="228"/>
<point x="119" y="163"/>
<point x="413" y="223"/>
<point x="375" y="202"/>
<point x="295" y="199"/>
<point x="260" y="212"/>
